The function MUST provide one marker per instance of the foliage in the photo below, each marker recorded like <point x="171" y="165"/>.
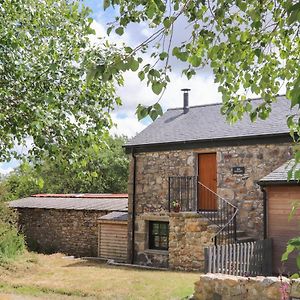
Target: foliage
<point x="251" y="46"/>
<point x="106" y="172"/>
<point x="11" y="242"/>
<point x="46" y="97"/>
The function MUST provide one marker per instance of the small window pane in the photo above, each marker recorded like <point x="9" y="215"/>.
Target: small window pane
<point x="158" y="235"/>
<point x="164" y="242"/>
<point x="164" y="229"/>
<point x="155" y="228"/>
<point x="156" y="241"/>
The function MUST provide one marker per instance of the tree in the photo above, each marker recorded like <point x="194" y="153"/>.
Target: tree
<point x="46" y="99"/>
<point x="250" y="46"/>
<point x="105" y="172"/>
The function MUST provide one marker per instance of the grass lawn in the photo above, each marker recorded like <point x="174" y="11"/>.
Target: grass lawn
<point x="57" y="277"/>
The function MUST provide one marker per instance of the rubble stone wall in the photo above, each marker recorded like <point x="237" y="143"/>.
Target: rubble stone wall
<point x="227" y="287"/>
<point x="189" y="235"/>
<point x="154" y="169"/>
<point x="73" y="232"/>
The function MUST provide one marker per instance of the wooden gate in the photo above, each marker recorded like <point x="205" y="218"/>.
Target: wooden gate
<point x="241" y="259"/>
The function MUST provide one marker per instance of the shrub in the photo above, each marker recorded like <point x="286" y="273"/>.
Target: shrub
<point x="12" y="243"/>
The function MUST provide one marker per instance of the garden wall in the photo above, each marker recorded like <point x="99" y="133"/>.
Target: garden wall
<point x="227" y="287"/>
<point x="73" y="232"/>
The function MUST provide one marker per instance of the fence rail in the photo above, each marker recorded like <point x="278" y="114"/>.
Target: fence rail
<point x="242" y="259"/>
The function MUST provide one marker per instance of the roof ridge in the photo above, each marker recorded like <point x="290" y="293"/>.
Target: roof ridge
<point x="219" y="103"/>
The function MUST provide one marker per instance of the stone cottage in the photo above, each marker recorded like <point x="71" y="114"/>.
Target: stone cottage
<point x="192" y="160"/>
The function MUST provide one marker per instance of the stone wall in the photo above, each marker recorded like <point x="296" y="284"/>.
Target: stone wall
<point x="154" y="168"/>
<point x="73" y="232"/>
<point x="227" y="287"/>
<point x="189" y="235"/>
<point x="144" y="255"/>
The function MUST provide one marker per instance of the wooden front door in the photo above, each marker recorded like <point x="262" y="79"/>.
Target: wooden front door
<point x="207" y="172"/>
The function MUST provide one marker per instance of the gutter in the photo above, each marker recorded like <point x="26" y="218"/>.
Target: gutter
<point x="263" y="189"/>
<point x="216" y="142"/>
<point x="133" y="207"/>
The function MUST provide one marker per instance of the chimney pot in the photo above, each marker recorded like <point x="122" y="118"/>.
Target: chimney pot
<point x="185" y="100"/>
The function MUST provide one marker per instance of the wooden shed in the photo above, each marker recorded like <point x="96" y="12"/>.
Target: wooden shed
<point x="280" y="196"/>
<point x="112" y="236"/>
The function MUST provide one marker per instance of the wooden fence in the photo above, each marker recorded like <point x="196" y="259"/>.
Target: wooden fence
<point x="242" y="259"/>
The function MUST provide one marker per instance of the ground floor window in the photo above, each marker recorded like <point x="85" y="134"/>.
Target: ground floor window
<point x="158" y="235"/>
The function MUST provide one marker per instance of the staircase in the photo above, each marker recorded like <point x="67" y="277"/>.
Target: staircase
<point x="184" y="191"/>
<point x="214" y="217"/>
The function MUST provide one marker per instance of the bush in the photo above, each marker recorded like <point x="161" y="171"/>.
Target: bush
<point x="12" y="243"/>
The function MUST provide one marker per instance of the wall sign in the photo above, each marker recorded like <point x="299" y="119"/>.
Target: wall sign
<point x="238" y="170"/>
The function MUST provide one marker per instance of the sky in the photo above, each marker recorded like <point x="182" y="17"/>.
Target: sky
<point x="203" y="89"/>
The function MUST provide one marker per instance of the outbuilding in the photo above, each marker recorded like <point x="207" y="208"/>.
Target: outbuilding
<point x="112" y="236"/>
<point x="66" y="223"/>
<point x="281" y="195"/>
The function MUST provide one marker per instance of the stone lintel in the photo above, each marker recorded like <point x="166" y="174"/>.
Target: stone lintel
<point x="153" y="217"/>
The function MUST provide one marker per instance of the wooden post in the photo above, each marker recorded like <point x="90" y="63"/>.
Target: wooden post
<point x="206" y="261"/>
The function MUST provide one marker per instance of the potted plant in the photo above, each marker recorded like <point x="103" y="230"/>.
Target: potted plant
<point x="176" y="206"/>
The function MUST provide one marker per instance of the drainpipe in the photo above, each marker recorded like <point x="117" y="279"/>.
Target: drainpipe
<point x="263" y="189"/>
<point x="133" y="207"/>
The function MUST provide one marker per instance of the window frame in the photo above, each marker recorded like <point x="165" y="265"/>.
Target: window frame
<point x="160" y="234"/>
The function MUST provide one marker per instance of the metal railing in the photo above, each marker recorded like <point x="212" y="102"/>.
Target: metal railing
<point x="183" y="193"/>
<point x="187" y="193"/>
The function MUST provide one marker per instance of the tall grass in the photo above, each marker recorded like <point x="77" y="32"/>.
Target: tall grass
<point x="12" y="243"/>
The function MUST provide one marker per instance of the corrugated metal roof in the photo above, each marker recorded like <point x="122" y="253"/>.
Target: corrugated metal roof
<point x="76" y="203"/>
<point x="82" y="195"/>
<point x="280" y="175"/>
<point x="115" y="216"/>
<point x="206" y="122"/>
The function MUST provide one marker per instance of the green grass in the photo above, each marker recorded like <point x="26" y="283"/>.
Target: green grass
<point x="56" y="276"/>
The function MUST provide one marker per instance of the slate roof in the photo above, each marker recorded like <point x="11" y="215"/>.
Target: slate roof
<point x="205" y="122"/>
<point x="115" y="216"/>
<point x="280" y="175"/>
<point x="73" y="203"/>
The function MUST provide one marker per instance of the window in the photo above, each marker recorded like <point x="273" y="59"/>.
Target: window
<point x="158" y="235"/>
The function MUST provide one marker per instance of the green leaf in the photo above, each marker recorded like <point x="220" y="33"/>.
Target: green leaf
<point x="157" y="87"/>
<point x="294" y="276"/>
<point x="153" y="115"/>
<point x="154" y="73"/>
<point x="94" y="174"/>
<point x="289" y="249"/>
<point x="141" y="75"/>
<point x="40" y="182"/>
<point x="167" y="22"/>
<point x="106" y="4"/>
<point x="163" y="55"/>
<point x="158" y="108"/>
<point x="298" y="261"/>
<point x="141" y="112"/>
<point x="134" y="65"/>
<point x="119" y="30"/>
<point x="194" y="60"/>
